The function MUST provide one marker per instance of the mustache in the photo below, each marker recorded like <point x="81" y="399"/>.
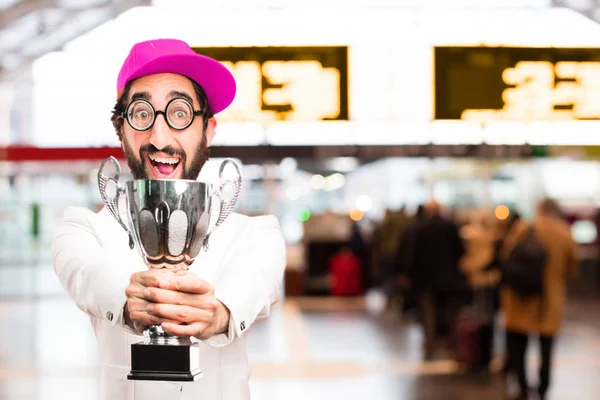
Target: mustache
<point x="169" y="150"/>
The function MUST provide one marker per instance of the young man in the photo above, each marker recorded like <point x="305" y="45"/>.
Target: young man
<point x="167" y="96"/>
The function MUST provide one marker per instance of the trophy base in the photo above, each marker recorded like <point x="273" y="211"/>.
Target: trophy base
<point x="165" y="362"/>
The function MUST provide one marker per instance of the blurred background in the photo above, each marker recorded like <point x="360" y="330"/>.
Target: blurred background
<point x="350" y="116"/>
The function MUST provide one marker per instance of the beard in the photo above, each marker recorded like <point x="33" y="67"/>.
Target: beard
<point x="137" y="166"/>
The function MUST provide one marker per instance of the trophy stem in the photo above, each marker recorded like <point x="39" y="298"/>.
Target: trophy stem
<point x="154" y="334"/>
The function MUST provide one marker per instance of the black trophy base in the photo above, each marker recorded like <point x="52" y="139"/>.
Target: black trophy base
<point x="165" y="362"/>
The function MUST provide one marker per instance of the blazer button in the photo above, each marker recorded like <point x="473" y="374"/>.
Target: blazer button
<point x="109" y="316"/>
<point x="243" y="325"/>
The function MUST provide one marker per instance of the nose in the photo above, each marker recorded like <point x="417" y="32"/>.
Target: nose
<point x="160" y="133"/>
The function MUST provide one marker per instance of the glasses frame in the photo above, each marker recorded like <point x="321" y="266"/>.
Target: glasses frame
<point x="195" y="113"/>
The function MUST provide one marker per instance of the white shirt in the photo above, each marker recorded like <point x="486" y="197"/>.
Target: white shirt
<point x="244" y="263"/>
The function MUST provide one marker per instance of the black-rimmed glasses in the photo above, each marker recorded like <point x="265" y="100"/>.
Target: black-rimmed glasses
<point x="179" y="114"/>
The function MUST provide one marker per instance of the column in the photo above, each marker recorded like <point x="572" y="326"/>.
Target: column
<point x="6" y="101"/>
<point x="22" y="110"/>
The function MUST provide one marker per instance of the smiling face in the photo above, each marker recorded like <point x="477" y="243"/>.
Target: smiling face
<point x="161" y="151"/>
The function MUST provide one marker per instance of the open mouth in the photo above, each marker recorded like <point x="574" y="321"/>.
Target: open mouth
<point x="163" y="166"/>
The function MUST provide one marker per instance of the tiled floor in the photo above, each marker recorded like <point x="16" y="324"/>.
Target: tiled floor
<point x="332" y="350"/>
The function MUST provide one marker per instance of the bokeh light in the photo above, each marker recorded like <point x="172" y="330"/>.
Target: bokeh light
<point x="502" y="212"/>
<point x="356" y="214"/>
<point x="304" y="214"/>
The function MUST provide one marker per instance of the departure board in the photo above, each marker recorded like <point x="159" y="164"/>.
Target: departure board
<point x="286" y="83"/>
<point x="517" y="84"/>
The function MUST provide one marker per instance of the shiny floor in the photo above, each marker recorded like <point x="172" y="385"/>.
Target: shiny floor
<point x="329" y="349"/>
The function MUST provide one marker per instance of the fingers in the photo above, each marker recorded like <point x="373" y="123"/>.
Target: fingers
<point x="195" y="329"/>
<point x="135" y="304"/>
<point x="138" y="313"/>
<point x="143" y="318"/>
<point x="180" y="314"/>
<point x="165" y="296"/>
<point x="152" y="277"/>
<point x="136" y="301"/>
<point x="135" y="290"/>
<point x="172" y="297"/>
<point x="146" y="319"/>
<point x="178" y="280"/>
<point x="187" y="282"/>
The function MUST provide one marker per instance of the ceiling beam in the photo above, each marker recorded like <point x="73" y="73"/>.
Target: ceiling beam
<point x="22" y="8"/>
<point x="73" y="23"/>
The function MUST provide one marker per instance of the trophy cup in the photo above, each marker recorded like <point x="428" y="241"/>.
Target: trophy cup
<point x="169" y="220"/>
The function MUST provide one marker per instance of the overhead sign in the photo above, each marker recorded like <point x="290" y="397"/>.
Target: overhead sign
<point x="285" y="83"/>
<point x="521" y="84"/>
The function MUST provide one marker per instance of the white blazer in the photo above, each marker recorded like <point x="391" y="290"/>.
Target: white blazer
<point x="244" y="263"/>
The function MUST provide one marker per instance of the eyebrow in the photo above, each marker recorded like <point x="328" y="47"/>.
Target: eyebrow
<point x="175" y="93"/>
<point x="141" y="95"/>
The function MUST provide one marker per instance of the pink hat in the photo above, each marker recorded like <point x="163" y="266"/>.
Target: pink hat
<point x="176" y="57"/>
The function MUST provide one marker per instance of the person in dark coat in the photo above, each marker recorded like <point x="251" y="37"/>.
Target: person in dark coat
<point x="435" y="275"/>
<point x="404" y="259"/>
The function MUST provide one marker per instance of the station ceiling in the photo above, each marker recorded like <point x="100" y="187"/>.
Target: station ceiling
<point x="32" y="28"/>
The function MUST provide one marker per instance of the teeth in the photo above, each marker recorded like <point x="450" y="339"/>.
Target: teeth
<point x="165" y="160"/>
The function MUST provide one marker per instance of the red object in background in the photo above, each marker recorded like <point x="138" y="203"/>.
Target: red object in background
<point x="345" y="269"/>
<point x="30" y="153"/>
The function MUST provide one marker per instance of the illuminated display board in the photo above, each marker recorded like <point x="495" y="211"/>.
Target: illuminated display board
<point x="521" y="84"/>
<point x="285" y="83"/>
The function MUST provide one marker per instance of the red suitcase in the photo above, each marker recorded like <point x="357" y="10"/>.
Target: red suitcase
<point x="473" y="335"/>
<point x="346" y="271"/>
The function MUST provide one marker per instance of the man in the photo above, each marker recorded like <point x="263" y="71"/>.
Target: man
<point x="435" y="275"/>
<point x="167" y="96"/>
<point x="541" y="315"/>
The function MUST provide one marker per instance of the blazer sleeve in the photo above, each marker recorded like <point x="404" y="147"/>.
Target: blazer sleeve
<point x="250" y="281"/>
<point x="94" y="279"/>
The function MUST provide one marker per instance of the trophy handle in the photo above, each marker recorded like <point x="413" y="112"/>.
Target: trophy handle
<point x="112" y="203"/>
<point x="225" y="207"/>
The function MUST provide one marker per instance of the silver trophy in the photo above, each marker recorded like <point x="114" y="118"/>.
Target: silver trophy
<point x="169" y="221"/>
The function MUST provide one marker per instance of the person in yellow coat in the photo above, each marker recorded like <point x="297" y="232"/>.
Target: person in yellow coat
<point x="541" y="315"/>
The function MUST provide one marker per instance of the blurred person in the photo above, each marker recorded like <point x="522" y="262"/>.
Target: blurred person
<point x="478" y="237"/>
<point x="167" y="96"/>
<point x="477" y="263"/>
<point x="435" y="275"/>
<point x="385" y="249"/>
<point x="361" y="249"/>
<point x="460" y="216"/>
<point x="501" y="231"/>
<point x="345" y="273"/>
<point x="404" y="260"/>
<point x="541" y="314"/>
<point x="377" y="246"/>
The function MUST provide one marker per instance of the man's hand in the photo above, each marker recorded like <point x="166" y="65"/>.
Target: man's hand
<point x="136" y="310"/>
<point x="184" y="303"/>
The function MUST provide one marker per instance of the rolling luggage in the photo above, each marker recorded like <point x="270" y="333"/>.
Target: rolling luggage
<point x="473" y="334"/>
<point x="345" y="269"/>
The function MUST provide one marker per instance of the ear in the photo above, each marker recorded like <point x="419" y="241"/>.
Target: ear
<point x="211" y="130"/>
